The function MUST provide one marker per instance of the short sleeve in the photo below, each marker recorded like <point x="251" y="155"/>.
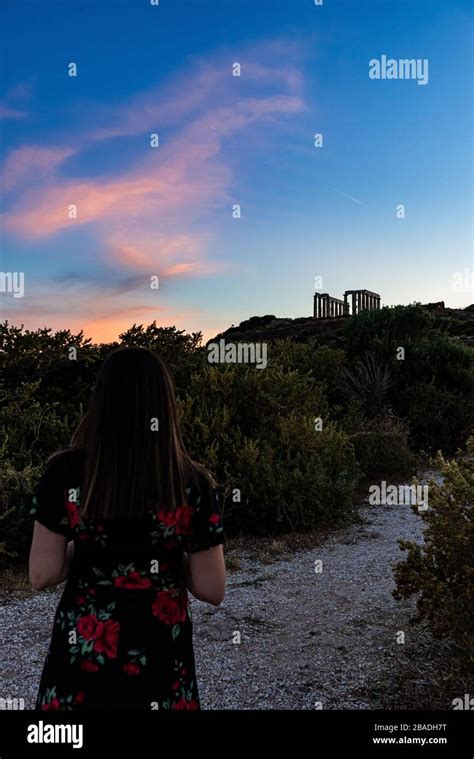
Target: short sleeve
<point x="50" y="500"/>
<point x="208" y="529"/>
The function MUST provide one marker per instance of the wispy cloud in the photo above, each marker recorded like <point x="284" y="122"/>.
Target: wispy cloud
<point x="13" y="105"/>
<point x="157" y="214"/>
<point x="7" y="112"/>
<point x="31" y="163"/>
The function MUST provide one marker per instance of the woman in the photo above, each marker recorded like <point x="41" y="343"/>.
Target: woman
<point x="132" y="523"/>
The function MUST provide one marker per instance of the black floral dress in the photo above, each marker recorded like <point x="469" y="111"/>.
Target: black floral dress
<point x="122" y="634"/>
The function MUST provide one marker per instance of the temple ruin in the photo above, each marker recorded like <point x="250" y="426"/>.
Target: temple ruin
<point x="327" y="307"/>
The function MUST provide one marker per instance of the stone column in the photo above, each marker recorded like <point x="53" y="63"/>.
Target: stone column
<point x="354" y="308"/>
<point x="359" y="302"/>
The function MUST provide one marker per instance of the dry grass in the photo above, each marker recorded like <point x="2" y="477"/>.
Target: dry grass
<point x="15" y="582"/>
<point x="428" y="675"/>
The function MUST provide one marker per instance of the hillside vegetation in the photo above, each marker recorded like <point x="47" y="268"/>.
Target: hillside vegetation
<point x="290" y="445"/>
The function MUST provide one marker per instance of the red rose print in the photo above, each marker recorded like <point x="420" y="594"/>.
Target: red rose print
<point x="170" y="607"/>
<point x="175" y="685"/>
<point x="89" y="666"/>
<point x="106" y="638"/>
<point x="132" y="581"/>
<point x="100" y="528"/>
<point x="54" y="704"/>
<point x="183" y="520"/>
<point x="182" y="704"/>
<point x="214" y="519"/>
<point x="73" y="514"/>
<point x="166" y="518"/>
<point x="87" y="626"/>
<point x="131" y="668"/>
<point x="81" y="600"/>
<point x="80" y="698"/>
<point x="83" y="535"/>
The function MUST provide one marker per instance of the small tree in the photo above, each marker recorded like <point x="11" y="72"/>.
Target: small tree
<point x="441" y="570"/>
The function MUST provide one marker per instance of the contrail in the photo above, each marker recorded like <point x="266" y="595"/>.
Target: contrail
<point x="350" y="197"/>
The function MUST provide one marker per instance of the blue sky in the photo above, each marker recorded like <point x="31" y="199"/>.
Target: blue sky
<point x="226" y="140"/>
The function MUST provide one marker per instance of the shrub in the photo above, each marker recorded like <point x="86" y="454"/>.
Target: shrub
<point x="441" y="570"/>
<point x="381" y="448"/>
<point x="256" y="431"/>
<point x="381" y="331"/>
<point x="307" y="480"/>
<point x="367" y="382"/>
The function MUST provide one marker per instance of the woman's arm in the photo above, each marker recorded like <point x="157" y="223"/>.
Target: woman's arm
<point x="205" y="574"/>
<point x="50" y="557"/>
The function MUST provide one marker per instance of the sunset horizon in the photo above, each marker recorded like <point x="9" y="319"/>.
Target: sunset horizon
<point x="234" y="166"/>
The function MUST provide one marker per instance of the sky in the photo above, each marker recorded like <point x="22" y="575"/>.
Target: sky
<point x="234" y="209"/>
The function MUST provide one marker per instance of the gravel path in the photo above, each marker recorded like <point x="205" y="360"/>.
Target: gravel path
<point x="307" y="639"/>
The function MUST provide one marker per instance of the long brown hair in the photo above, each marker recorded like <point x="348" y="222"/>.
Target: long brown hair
<point x="135" y="457"/>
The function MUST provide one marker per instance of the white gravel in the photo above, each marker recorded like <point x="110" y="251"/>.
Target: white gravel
<point x="308" y="640"/>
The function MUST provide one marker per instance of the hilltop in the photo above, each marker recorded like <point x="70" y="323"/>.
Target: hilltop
<point x="458" y="323"/>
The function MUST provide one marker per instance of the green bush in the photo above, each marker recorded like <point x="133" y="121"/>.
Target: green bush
<point x="381" y="447"/>
<point x="431" y="388"/>
<point x="253" y="428"/>
<point x="307" y="480"/>
<point x="441" y="570"/>
<point x="256" y="430"/>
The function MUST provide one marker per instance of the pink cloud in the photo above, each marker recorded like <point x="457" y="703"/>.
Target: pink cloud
<point x="165" y="256"/>
<point x="154" y="216"/>
<point x="96" y="312"/>
<point x="31" y="162"/>
<point x="6" y="112"/>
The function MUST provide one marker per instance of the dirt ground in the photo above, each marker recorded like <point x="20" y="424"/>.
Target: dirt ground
<point x="317" y="629"/>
